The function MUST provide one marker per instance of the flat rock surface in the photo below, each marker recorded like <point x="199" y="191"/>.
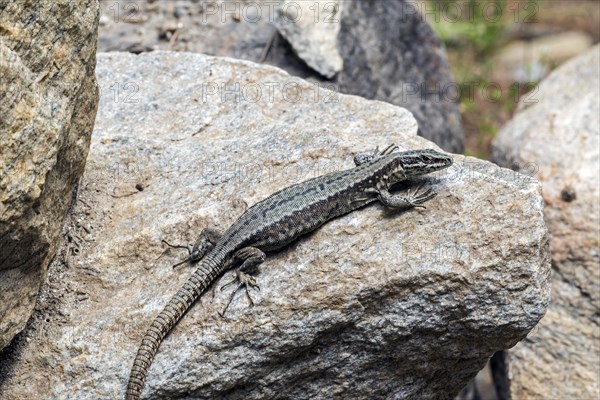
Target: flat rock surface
<point x="374" y="304"/>
<point x="560" y="133"/>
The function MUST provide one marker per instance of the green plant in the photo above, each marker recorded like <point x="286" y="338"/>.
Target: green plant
<point x="480" y="24"/>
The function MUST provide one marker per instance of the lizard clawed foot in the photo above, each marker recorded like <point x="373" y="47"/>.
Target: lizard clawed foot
<point x="205" y="242"/>
<point x="251" y="258"/>
<point x="388" y="150"/>
<point x="362" y="158"/>
<point x="416" y="198"/>
<point x="180" y="246"/>
<point x="245" y="280"/>
<point x="412" y="198"/>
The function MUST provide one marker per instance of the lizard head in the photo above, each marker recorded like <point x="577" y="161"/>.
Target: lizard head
<point x="421" y="162"/>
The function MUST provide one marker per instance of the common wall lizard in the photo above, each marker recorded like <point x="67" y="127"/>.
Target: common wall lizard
<point x="278" y="220"/>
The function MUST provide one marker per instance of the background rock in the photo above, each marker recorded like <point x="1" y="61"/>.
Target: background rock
<point x="559" y="132"/>
<point x="389" y="53"/>
<point x="313" y="39"/>
<point x="48" y="101"/>
<point x="374" y="304"/>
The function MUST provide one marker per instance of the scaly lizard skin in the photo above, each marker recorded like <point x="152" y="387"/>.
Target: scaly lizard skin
<point x="279" y="220"/>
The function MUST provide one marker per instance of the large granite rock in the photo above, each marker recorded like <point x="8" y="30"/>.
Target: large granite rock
<point x="374" y="304"/>
<point x="48" y="101"/>
<point x="560" y="134"/>
<point x="375" y="49"/>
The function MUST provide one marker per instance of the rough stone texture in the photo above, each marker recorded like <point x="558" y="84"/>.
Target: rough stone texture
<point x="389" y="52"/>
<point x="375" y="304"/>
<point x="48" y="101"/>
<point x="560" y="134"/>
<point x="313" y="37"/>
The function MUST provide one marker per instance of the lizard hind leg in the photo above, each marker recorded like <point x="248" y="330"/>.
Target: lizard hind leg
<point x="251" y="258"/>
<point x="205" y="242"/>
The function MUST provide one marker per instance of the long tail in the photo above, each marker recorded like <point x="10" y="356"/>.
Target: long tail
<point x="178" y="305"/>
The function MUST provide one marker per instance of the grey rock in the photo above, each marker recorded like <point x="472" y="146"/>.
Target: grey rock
<point x="312" y="30"/>
<point x="48" y="101"/>
<point x="375" y="304"/>
<point x="388" y="51"/>
<point x="391" y="54"/>
<point x="557" y="129"/>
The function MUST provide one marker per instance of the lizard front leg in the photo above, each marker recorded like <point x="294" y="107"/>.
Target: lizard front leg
<point x="251" y="258"/>
<point x="410" y="199"/>
<point x="365" y="157"/>
<point x="205" y="242"/>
